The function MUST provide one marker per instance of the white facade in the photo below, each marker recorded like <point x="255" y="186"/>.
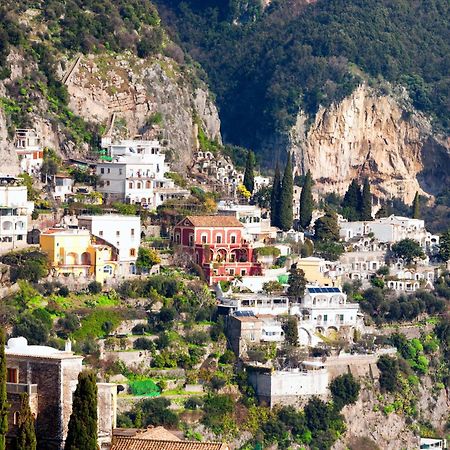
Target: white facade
<point x="122" y="232"/>
<point x="14" y="213"/>
<point x="248" y="215"/>
<point x="136" y="174"/>
<point x="390" y="230"/>
<point x="261" y="182"/>
<point x="29" y="150"/>
<point x="63" y="187"/>
<point x="289" y="386"/>
<point x="324" y="310"/>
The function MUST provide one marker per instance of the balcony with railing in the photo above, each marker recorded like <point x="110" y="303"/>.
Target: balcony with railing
<point x="21" y="388"/>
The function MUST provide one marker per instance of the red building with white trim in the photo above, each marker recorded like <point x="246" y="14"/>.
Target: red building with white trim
<point x="217" y="245"/>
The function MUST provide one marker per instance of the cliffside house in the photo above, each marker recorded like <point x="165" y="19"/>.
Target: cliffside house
<point x="391" y="230"/>
<point x="133" y="171"/>
<point x="322" y="312"/>
<point x="49" y="377"/>
<point x="29" y="150"/>
<point x="216" y="243"/>
<point x="15" y="210"/>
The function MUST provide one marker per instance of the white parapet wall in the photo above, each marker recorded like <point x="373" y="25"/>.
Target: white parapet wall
<point x="288" y="386"/>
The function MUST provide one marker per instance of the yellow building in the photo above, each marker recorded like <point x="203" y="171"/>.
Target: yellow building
<point x="72" y="252"/>
<point x="316" y="271"/>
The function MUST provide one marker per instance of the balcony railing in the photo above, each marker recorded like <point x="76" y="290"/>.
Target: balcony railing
<point x="20" y="388"/>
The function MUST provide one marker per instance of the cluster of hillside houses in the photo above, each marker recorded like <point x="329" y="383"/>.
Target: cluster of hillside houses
<point x="226" y="246"/>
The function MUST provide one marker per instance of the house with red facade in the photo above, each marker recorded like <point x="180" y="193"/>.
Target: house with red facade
<point x="216" y="243"/>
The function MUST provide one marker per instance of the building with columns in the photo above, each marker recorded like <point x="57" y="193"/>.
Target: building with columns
<point x="216" y="243"/>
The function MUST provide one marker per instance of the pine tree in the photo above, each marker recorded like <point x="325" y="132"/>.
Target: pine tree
<point x="275" y="198"/>
<point x="366" y="201"/>
<point x="297" y="283"/>
<point x="306" y="202"/>
<point x="4" y="406"/>
<point x="416" y="207"/>
<point x="286" y="197"/>
<point x="352" y="202"/>
<point x="82" y="434"/>
<point x="26" y="436"/>
<point x="249" y="176"/>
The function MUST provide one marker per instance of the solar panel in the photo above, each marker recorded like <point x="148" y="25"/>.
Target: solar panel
<point x="323" y="290"/>
<point x="244" y="313"/>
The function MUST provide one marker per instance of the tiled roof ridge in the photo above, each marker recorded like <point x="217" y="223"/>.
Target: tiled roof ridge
<point x="177" y="442"/>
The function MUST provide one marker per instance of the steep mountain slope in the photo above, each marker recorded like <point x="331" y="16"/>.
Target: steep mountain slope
<point x="297" y="58"/>
<point x="67" y="67"/>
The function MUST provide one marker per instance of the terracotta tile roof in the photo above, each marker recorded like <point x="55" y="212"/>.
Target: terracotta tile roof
<point x="158" y="433"/>
<point x="214" y="221"/>
<point x="123" y="443"/>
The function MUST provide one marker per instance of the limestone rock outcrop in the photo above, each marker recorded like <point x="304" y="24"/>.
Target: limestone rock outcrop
<point x="135" y="90"/>
<point x="375" y="135"/>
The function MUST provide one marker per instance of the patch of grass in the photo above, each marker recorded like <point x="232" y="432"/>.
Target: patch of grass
<point x="94" y="324"/>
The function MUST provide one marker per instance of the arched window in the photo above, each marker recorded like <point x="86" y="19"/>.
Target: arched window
<point x="108" y="269"/>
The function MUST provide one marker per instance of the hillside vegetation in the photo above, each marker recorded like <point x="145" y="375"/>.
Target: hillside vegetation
<point x="296" y="56"/>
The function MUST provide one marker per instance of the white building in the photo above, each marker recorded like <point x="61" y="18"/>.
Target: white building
<point x="289" y="386"/>
<point x="29" y="150"/>
<point x="14" y="213"/>
<point x="260" y="182"/>
<point x="122" y="232"/>
<point x="248" y="215"/>
<point x="134" y="172"/>
<point x="324" y="311"/>
<point x="63" y="186"/>
<point x="390" y="230"/>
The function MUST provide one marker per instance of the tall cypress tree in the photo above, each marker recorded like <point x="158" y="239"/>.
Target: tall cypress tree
<point x="287" y="193"/>
<point x="416" y="207"/>
<point x="352" y="202"/>
<point x="366" y="201"/>
<point x="26" y="436"/>
<point x="275" y="198"/>
<point x="4" y="406"/>
<point x="249" y="175"/>
<point x="82" y="432"/>
<point x="306" y="202"/>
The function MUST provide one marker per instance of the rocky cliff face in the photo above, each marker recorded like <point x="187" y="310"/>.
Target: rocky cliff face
<point x="369" y="134"/>
<point x="366" y="422"/>
<point x="137" y="91"/>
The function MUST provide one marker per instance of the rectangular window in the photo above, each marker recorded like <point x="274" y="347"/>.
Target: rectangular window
<point x="243" y="272"/>
<point x="130" y="185"/>
<point x="102" y="170"/>
<point x="191" y="239"/>
<point x="231" y="271"/>
<point x="120" y="171"/>
<point x="233" y="239"/>
<point x="132" y="252"/>
<point x="12" y="375"/>
<point x="219" y="239"/>
<point x="325" y="317"/>
<point x="132" y="232"/>
<point x="117" y="233"/>
<point x="109" y="170"/>
<point x="100" y="233"/>
<point x="203" y="239"/>
<point x="341" y="317"/>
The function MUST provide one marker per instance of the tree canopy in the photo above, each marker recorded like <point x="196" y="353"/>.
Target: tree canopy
<point x="407" y="249"/>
